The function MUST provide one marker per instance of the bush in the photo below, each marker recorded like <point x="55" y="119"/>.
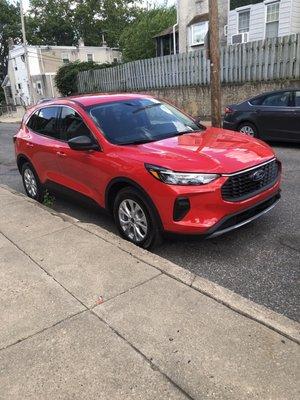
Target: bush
<point x="66" y="77"/>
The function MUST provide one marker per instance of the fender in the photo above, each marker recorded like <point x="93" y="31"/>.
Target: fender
<point x="25" y="158"/>
<point x="127" y="181"/>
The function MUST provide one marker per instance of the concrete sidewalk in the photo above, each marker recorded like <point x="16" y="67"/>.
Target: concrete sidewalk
<point x="85" y="315"/>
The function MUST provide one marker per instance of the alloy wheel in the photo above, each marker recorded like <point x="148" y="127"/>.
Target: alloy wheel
<point x="247" y="130"/>
<point x="133" y="220"/>
<point x="30" y="182"/>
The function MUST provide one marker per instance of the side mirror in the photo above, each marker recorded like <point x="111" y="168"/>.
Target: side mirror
<point x="83" y="143"/>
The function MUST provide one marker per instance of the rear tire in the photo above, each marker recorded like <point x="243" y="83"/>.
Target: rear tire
<point x="249" y="129"/>
<point x="31" y="182"/>
<point x="135" y="218"/>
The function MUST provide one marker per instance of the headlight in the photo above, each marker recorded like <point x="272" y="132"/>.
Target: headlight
<point x="180" y="178"/>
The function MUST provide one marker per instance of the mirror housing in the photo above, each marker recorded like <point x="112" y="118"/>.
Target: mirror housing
<point x="83" y="143"/>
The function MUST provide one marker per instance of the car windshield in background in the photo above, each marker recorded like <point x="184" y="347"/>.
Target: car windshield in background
<point x="140" y="121"/>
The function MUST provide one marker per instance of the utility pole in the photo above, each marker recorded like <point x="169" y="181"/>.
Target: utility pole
<point x="214" y="50"/>
<point x="30" y="91"/>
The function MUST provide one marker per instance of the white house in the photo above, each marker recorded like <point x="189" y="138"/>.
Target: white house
<point x="44" y="61"/>
<point x="193" y="23"/>
<point x="250" y="20"/>
<point x="191" y="27"/>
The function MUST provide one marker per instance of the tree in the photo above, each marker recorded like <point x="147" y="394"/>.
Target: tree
<point x="66" y="77"/>
<point x="137" y="39"/>
<point x="10" y="28"/>
<point x="51" y="22"/>
<point x="63" y="22"/>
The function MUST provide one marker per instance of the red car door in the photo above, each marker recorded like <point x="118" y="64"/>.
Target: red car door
<point x="82" y="171"/>
<point x="42" y="143"/>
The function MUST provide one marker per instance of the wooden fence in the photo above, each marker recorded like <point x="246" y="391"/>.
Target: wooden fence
<point x="264" y="60"/>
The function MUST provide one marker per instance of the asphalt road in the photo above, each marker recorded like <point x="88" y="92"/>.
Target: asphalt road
<point x="260" y="261"/>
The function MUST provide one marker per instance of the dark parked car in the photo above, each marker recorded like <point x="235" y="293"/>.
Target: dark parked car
<point x="269" y="116"/>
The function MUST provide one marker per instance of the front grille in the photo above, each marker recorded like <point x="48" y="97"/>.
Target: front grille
<point x="246" y="184"/>
<point x="248" y="214"/>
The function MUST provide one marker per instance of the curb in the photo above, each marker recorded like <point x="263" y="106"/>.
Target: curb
<point x="258" y="313"/>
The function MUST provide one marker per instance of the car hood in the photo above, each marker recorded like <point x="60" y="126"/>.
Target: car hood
<point x="214" y="150"/>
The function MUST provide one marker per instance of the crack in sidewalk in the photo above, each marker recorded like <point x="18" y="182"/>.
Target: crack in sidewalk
<point x="90" y="310"/>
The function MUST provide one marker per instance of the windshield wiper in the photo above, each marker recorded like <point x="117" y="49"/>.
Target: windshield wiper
<point x="173" y="134"/>
<point x="145" y="107"/>
<point x="138" y="141"/>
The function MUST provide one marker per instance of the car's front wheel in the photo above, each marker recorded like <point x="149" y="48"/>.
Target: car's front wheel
<point x="135" y="218"/>
<point x="31" y="182"/>
<point x="248" y="129"/>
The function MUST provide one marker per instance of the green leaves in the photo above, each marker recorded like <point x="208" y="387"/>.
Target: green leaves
<point x="137" y="40"/>
<point x="63" y="22"/>
<point x="66" y="77"/>
<point x="10" y="27"/>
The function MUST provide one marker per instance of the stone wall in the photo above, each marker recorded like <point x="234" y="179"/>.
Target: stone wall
<point x="195" y="100"/>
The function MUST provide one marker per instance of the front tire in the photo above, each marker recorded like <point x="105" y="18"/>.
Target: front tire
<point x="31" y="182"/>
<point x="249" y="129"/>
<point x="136" y="219"/>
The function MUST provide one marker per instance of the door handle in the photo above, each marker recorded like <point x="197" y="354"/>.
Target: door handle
<point x="28" y="144"/>
<point x="61" y="154"/>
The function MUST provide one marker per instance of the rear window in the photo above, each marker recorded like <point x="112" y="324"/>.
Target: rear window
<point x="256" y="101"/>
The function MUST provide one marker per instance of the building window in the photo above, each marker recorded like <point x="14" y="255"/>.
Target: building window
<point x="19" y="86"/>
<point x="65" y="58"/>
<point x="90" y="57"/>
<point x="272" y="20"/>
<point x="39" y="87"/>
<point x="244" y="21"/>
<point x="199" y="32"/>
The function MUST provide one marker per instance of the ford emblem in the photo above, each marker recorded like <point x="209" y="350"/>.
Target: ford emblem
<point x="258" y="175"/>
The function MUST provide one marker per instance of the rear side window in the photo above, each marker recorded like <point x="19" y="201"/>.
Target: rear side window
<point x="32" y="123"/>
<point x="281" y="99"/>
<point x="257" y="101"/>
<point x="297" y="99"/>
<point x="44" y="122"/>
<point x="72" y="125"/>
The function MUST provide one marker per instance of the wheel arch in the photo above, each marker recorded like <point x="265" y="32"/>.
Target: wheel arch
<point x="117" y="184"/>
<point x="21" y="160"/>
<point x="248" y="121"/>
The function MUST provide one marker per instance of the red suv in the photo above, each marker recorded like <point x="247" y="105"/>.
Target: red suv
<point x="150" y="165"/>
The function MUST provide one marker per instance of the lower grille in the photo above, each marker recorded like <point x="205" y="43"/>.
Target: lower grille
<point x="246" y="184"/>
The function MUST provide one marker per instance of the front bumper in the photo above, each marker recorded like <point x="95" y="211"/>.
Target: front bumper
<point x="209" y="213"/>
<point x="239" y="219"/>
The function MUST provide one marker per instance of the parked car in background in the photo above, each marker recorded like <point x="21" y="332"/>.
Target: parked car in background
<point x="269" y="116"/>
<point x="148" y="164"/>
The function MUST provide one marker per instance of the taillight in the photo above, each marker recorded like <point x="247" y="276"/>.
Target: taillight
<point x="228" y="110"/>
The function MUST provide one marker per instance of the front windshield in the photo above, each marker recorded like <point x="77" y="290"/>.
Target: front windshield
<point x="140" y="121"/>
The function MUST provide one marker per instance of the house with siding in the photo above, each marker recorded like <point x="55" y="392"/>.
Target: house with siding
<point x="191" y="27"/>
<point x="193" y="20"/>
<point x="44" y="62"/>
<point x="250" y="20"/>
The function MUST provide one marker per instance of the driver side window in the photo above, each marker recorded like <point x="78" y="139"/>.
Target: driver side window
<point x="72" y="125"/>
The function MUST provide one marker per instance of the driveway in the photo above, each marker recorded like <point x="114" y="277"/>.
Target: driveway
<point x="260" y="261"/>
